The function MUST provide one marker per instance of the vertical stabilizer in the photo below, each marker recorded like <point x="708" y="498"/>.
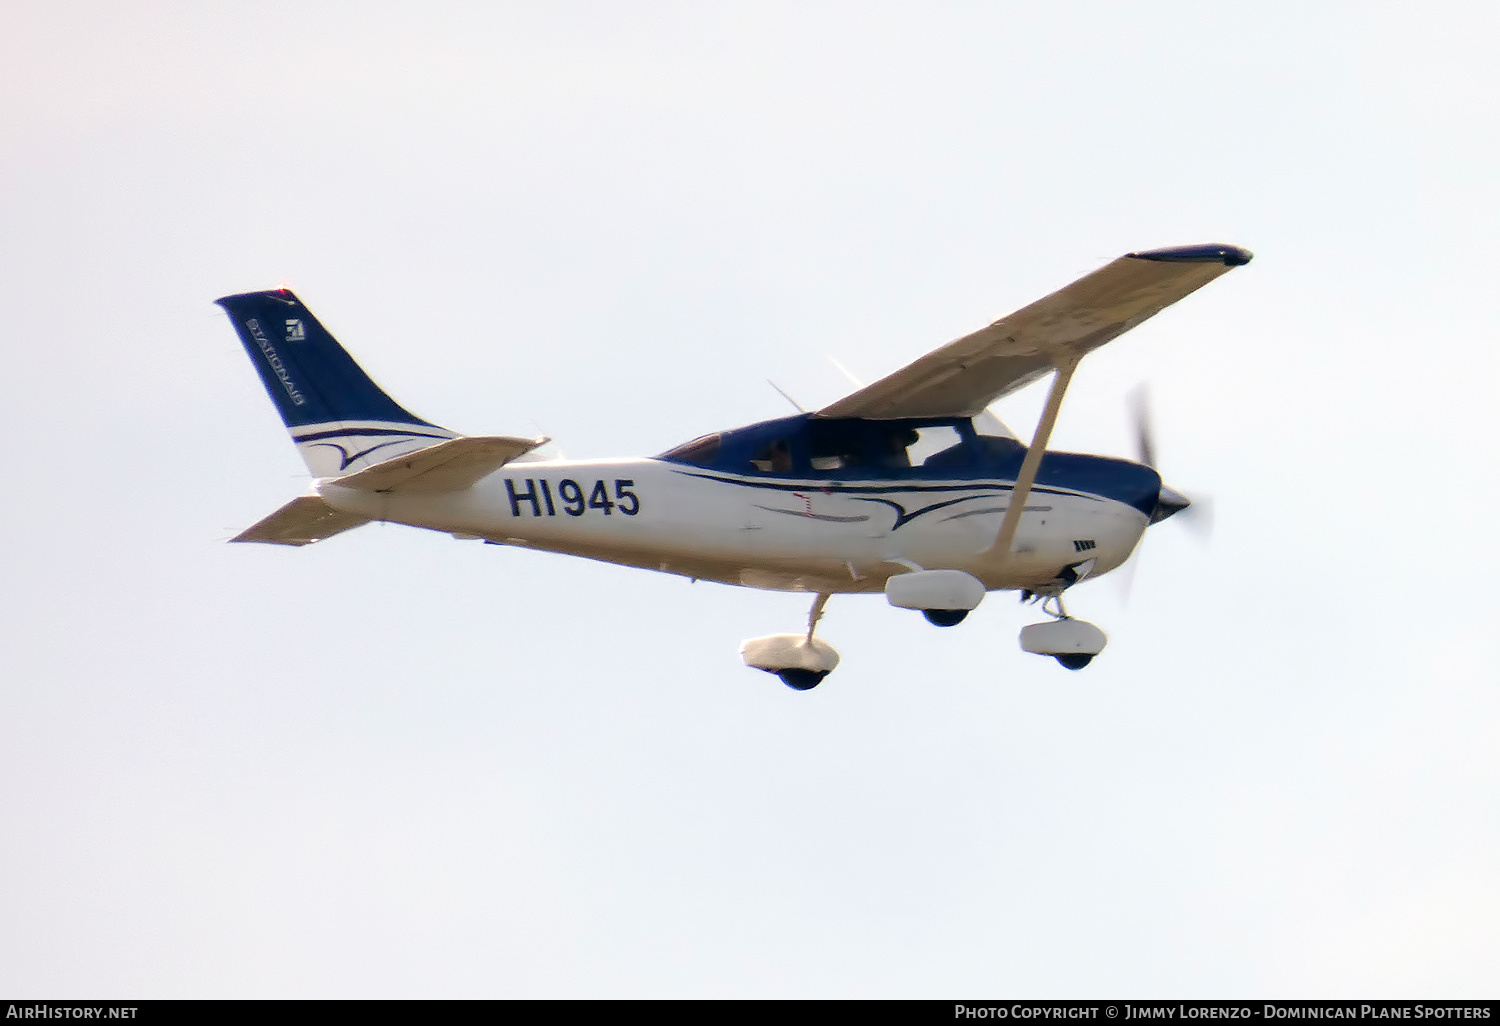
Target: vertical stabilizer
<point x="341" y="421"/>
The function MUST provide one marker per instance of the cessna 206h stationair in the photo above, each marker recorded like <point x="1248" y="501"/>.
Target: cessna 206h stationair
<point x="908" y="486"/>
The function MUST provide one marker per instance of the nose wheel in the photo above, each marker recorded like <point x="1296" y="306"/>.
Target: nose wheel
<point x="1072" y="642"/>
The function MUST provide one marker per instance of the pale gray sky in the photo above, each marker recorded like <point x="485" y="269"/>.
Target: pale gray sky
<point x="399" y="765"/>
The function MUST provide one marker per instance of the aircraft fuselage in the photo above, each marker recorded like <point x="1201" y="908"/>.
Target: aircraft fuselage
<point x="777" y="531"/>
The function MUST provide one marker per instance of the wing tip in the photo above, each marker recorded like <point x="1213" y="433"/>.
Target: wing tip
<point x="1208" y="252"/>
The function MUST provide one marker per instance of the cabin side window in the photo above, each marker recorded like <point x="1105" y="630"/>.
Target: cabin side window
<point x="775" y="457"/>
<point x="836" y="445"/>
<point x="834" y="454"/>
<point x="937" y="445"/>
<point x="880" y="447"/>
<point x="892" y="445"/>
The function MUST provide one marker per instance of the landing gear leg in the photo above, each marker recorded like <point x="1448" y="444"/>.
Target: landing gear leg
<point x="799" y="678"/>
<point x="816" y="612"/>
<point x="1052" y="605"/>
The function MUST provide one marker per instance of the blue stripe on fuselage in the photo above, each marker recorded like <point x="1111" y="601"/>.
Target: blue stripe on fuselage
<point x="1061" y="473"/>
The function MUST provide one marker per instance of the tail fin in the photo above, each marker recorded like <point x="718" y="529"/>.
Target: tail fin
<point x="340" y="420"/>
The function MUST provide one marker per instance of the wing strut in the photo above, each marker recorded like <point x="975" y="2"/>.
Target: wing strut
<point x="1032" y="463"/>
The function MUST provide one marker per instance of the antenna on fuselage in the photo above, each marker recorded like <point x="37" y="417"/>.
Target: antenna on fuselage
<point x="799" y="406"/>
<point x="846" y="372"/>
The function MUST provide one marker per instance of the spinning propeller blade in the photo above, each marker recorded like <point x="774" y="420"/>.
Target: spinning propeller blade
<point x="1196" y="514"/>
<point x="1145" y="440"/>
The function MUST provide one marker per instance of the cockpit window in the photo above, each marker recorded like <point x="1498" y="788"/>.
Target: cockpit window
<point x="835" y="445"/>
<point x="773" y="457"/>
<point x="876" y="446"/>
<point x="937" y="440"/>
<point x="699" y="452"/>
<point x="834" y="453"/>
<point x="892" y="445"/>
<point x="841" y="448"/>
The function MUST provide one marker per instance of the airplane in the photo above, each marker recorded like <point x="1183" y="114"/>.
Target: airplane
<point x="907" y="487"/>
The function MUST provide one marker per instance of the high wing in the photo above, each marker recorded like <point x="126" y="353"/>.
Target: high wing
<point x="963" y="377"/>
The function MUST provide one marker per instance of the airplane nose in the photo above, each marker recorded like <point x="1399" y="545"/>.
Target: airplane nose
<point x="1168" y="502"/>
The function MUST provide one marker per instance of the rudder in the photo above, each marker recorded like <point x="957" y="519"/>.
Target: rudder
<point x="340" y="420"/>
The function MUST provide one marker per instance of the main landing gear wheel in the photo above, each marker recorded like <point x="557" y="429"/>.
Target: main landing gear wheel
<point x="944" y="597"/>
<point x="802" y="680"/>
<point x="800" y="660"/>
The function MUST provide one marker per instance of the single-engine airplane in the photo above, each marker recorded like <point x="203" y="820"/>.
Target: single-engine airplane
<point x="908" y="486"/>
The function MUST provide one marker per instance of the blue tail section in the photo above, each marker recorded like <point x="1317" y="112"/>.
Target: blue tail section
<point x="310" y="377"/>
<point x="340" y="420"/>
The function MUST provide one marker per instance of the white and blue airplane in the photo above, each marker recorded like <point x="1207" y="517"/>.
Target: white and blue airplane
<point x="907" y="486"/>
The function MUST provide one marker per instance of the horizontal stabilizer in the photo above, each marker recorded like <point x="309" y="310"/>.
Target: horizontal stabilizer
<point x="449" y="466"/>
<point x="304" y="520"/>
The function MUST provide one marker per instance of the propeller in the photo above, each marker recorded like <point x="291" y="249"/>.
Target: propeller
<point x="1196" y="514"/>
<point x="1145" y="437"/>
